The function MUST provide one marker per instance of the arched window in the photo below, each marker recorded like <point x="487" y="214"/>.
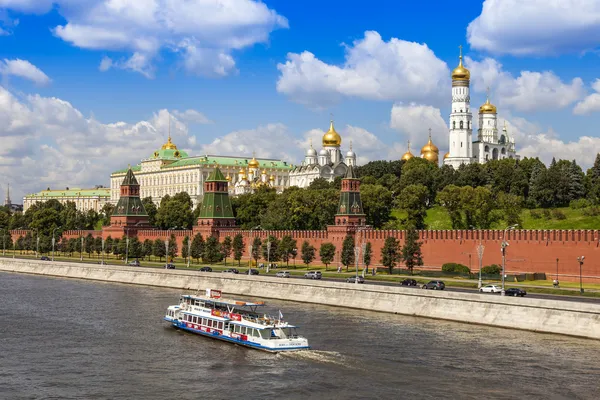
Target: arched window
<point x="487" y="149"/>
<point x="461" y="124"/>
<point x="453" y="124"/>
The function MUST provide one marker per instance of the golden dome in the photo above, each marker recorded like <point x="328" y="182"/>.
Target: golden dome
<point x="487" y="108"/>
<point x="228" y="178"/>
<point x="430" y="147"/>
<point x="446" y="155"/>
<point x="408" y="155"/>
<point x="253" y="163"/>
<point x="264" y="171"/>
<point x="169" y="145"/>
<point x="242" y="170"/>
<point x="431" y="156"/>
<point x="331" y="137"/>
<point x="272" y="178"/>
<point x="460" y="73"/>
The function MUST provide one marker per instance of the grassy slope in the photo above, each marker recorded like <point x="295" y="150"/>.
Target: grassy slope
<point x="437" y="218"/>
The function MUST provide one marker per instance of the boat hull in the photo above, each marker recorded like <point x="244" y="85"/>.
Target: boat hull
<point x="215" y="335"/>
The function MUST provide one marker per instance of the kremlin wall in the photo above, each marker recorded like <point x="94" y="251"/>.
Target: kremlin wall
<point x="529" y="251"/>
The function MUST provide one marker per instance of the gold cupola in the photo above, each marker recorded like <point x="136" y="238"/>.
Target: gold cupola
<point x="331" y="137"/>
<point x="487" y="107"/>
<point x="253" y="163"/>
<point x="169" y="145"/>
<point x="430" y="147"/>
<point x="446" y="155"/>
<point x="408" y="155"/>
<point x="460" y="73"/>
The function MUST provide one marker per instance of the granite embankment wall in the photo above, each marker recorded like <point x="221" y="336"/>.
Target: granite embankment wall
<point x="549" y="316"/>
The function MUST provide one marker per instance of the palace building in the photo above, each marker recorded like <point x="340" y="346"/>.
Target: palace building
<point x="84" y="199"/>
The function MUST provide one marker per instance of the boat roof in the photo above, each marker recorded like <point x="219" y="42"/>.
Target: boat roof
<point x="251" y="324"/>
<point x="229" y="302"/>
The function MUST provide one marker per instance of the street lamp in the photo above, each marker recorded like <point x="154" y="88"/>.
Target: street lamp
<point x="250" y="247"/>
<point x="268" y="255"/>
<point x="102" y="251"/>
<point x="3" y="242"/>
<point x="295" y="253"/>
<point x="356" y="256"/>
<point x="503" y="247"/>
<point x="189" y="251"/>
<point x="480" y="249"/>
<point x="53" y="241"/>
<point x="167" y="250"/>
<point x="580" y="261"/>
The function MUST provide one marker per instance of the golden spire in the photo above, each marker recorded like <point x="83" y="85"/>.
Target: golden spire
<point x="408" y="155"/>
<point x="487" y="107"/>
<point x="169" y="145"/>
<point x="460" y="73"/>
<point x="430" y="150"/>
<point x="253" y="163"/>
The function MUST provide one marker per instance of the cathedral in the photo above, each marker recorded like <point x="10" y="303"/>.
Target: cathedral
<point x="328" y="163"/>
<point x="490" y="144"/>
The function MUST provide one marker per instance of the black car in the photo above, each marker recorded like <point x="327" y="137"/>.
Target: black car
<point x="252" y="271"/>
<point x="435" y="285"/>
<point x="206" y="269"/>
<point x="45" y="258"/>
<point x="409" y="282"/>
<point x="169" y="266"/>
<point x="355" y="279"/>
<point x="231" y="271"/>
<point x="515" y="292"/>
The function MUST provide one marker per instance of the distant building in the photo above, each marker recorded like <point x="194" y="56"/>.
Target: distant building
<point x="84" y="199"/>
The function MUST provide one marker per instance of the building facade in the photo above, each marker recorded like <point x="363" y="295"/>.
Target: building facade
<point x="84" y="199"/>
<point x="328" y="163"/>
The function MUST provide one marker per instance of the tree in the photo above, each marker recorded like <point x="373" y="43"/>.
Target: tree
<point x="159" y="250"/>
<point x="450" y="199"/>
<point x="327" y="253"/>
<point x="238" y="247"/>
<point x="308" y="253"/>
<point x="511" y="206"/>
<point x="98" y="246"/>
<point x="184" y="247"/>
<point x="89" y="244"/>
<point x="592" y="177"/>
<point x="348" y="251"/>
<point x="368" y="255"/>
<point x="147" y="248"/>
<point x="256" y="245"/>
<point x="226" y="248"/>
<point x="377" y="204"/>
<point x="390" y="253"/>
<point x="175" y="212"/>
<point x="197" y="247"/>
<point x="108" y="245"/>
<point x="411" y="251"/>
<point x="212" y="250"/>
<point x="287" y="249"/>
<point x="106" y="212"/>
<point x="173" y="249"/>
<point x="271" y="254"/>
<point x="135" y="248"/>
<point x="413" y="199"/>
<point x="151" y="210"/>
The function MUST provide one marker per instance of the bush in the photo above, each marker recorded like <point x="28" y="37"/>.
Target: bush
<point x="535" y="214"/>
<point x="493" y="269"/>
<point x="546" y="213"/>
<point x="558" y="214"/>
<point x="579" y="204"/>
<point x="592" y="211"/>
<point x="454" y="267"/>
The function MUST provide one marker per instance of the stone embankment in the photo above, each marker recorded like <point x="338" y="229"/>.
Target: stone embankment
<point x="539" y="315"/>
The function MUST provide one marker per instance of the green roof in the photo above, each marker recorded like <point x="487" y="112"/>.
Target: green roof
<point x="129" y="206"/>
<point x="130" y="179"/>
<point x="74" y="192"/>
<point x="216" y="176"/>
<point x="350" y="174"/>
<point x="135" y="168"/>
<point x="169" y="154"/>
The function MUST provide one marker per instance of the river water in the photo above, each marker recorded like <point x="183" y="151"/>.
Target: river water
<point x="72" y="339"/>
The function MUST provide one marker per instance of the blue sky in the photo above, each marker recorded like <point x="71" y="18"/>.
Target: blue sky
<point x="86" y="89"/>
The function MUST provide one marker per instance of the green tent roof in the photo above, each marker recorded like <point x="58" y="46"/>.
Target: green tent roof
<point x="216" y="176"/>
<point x="130" y="179"/>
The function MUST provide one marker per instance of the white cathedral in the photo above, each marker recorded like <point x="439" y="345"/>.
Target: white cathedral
<point x="328" y="163"/>
<point x="489" y="144"/>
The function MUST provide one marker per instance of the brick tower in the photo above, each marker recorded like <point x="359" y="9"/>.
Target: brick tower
<point x="129" y="214"/>
<point x="350" y="216"/>
<point x="216" y="212"/>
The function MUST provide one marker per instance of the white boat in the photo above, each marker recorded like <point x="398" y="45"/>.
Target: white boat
<point x="234" y="321"/>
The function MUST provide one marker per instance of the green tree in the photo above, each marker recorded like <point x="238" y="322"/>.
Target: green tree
<point x="308" y="253"/>
<point x="256" y="247"/>
<point x="173" y="248"/>
<point x="98" y="246"/>
<point x="511" y="207"/>
<point x="287" y="249"/>
<point x="327" y="253"/>
<point x="135" y="248"/>
<point x="249" y="209"/>
<point x="184" y="247"/>
<point x="158" y="249"/>
<point x="348" y="251"/>
<point x="108" y="245"/>
<point x="450" y="199"/>
<point x="411" y="251"/>
<point x="238" y="248"/>
<point x="377" y="204"/>
<point x="592" y="177"/>
<point x="147" y="248"/>
<point x="226" y="247"/>
<point x="413" y="199"/>
<point x="151" y="210"/>
<point x="390" y="253"/>
<point x="212" y="250"/>
<point x="175" y="212"/>
<point x="272" y="254"/>
<point x="197" y="247"/>
<point x="378" y="169"/>
<point x="89" y="244"/>
<point x="106" y="212"/>
<point x="419" y="171"/>
<point x="368" y="255"/>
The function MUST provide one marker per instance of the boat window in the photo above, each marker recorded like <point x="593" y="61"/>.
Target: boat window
<point x="220" y="325"/>
<point x="264" y="333"/>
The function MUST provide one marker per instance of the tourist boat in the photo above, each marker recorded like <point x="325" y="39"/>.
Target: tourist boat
<point x="234" y="321"/>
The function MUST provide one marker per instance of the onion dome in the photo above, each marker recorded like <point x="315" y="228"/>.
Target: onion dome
<point x="430" y="147"/>
<point x="311" y="152"/>
<point x="487" y="108"/>
<point x="331" y="137"/>
<point x="272" y="178"/>
<point x="408" y="155"/>
<point x="350" y="153"/>
<point x="324" y="152"/>
<point x="446" y="155"/>
<point x="169" y="145"/>
<point x="228" y="178"/>
<point x="431" y="156"/>
<point x="253" y="163"/>
<point x="264" y="171"/>
<point x="460" y="73"/>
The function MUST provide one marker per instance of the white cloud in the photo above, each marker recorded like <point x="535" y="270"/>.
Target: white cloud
<point x="591" y="103"/>
<point x="541" y="27"/>
<point x="530" y="91"/>
<point x="192" y="116"/>
<point x="23" y="69"/>
<point x="413" y="122"/>
<point x="374" y="70"/>
<point x="205" y="32"/>
<point x="105" y="64"/>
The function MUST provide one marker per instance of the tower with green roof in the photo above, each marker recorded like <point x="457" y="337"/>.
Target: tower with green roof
<point x="129" y="214"/>
<point x="350" y="209"/>
<point x="215" y="212"/>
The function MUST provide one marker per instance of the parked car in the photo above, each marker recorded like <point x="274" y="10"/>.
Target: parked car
<point x="490" y="289"/>
<point x="231" y="271"/>
<point x="409" y="282"/>
<point x="206" y="269"/>
<point x="354" y="279"/>
<point x="435" y="285"/>
<point x="283" y="274"/>
<point x="515" y="292"/>
<point x="135" y="263"/>
<point x="313" y="275"/>
<point x="169" y="266"/>
<point x="45" y="258"/>
<point x="252" y="271"/>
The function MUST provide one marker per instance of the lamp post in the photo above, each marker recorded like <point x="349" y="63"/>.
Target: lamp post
<point x="53" y="241"/>
<point x="81" y="249"/>
<point x="580" y="261"/>
<point x="480" y="249"/>
<point x="356" y="257"/>
<point x="189" y="251"/>
<point x="295" y="253"/>
<point x="37" y="245"/>
<point x="167" y="250"/>
<point x="102" y="251"/>
<point x="268" y="255"/>
<point x="503" y="247"/>
<point x="126" y="246"/>
<point x="3" y="242"/>
<point x="250" y="256"/>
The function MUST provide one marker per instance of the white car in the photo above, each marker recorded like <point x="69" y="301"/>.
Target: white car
<point x="283" y="274"/>
<point x="490" y="289"/>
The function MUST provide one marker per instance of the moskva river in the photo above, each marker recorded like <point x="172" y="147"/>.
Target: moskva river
<point x="71" y="339"/>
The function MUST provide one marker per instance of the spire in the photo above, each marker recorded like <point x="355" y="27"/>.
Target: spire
<point x="169" y="127"/>
<point x="310" y="140"/>
<point x="350" y="174"/>
<point x="408" y="146"/>
<point x="430" y="134"/>
<point x="460" y="55"/>
<point x="7" y="201"/>
<point x="350" y="145"/>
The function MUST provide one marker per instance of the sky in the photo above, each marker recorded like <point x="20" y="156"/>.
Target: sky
<point x="87" y="87"/>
